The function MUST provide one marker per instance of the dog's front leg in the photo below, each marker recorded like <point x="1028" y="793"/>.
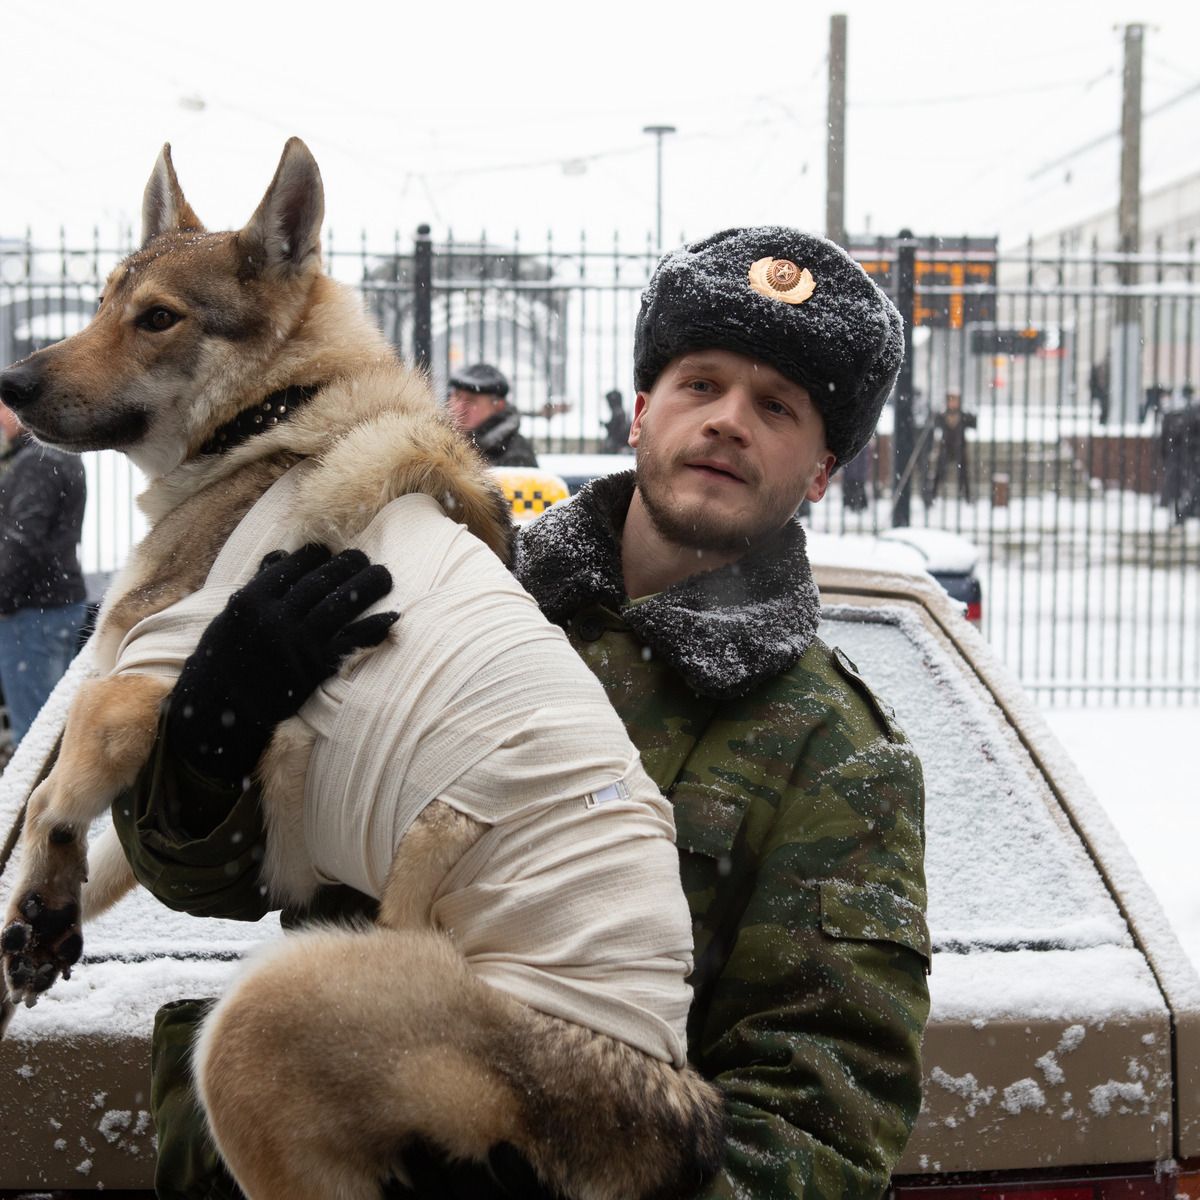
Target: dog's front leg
<point x="109" y="734"/>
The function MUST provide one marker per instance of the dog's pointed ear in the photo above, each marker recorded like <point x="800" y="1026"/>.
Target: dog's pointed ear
<point x="284" y="234"/>
<point x="164" y="208"/>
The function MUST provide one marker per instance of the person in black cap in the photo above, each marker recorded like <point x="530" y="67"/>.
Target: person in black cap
<point x="479" y="408"/>
<point x="763" y="357"/>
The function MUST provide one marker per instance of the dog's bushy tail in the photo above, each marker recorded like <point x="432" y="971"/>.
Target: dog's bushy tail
<point x="607" y="1122"/>
<point x="373" y="1037"/>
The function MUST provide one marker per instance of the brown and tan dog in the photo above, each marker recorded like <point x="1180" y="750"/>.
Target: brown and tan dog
<point x="368" y="1036"/>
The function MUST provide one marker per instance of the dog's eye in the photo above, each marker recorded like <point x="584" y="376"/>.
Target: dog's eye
<point x="157" y="319"/>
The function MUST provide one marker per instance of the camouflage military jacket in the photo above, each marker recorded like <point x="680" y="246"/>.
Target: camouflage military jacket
<point x="799" y="812"/>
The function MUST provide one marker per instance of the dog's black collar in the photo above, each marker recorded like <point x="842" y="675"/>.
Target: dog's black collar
<point x="266" y="414"/>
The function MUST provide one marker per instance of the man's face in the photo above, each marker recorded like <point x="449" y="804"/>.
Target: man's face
<point x="727" y="448"/>
<point x="469" y="410"/>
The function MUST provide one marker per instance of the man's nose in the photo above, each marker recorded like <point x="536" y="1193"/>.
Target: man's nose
<point x="729" y="416"/>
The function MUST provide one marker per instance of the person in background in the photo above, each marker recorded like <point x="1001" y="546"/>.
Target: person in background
<point x="856" y="475"/>
<point x="952" y="426"/>
<point x="1099" y="390"/>
<point x="762" y="359"/>
<point x="42" y="494"/>
<point x="480" y="409"/>
<point x="616" y="428"/>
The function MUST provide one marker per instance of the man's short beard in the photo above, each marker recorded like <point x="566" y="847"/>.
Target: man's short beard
<point x="700" y="529"/>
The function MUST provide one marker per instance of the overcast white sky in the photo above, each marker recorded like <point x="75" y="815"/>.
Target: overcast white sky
<point x="529" y="115"/>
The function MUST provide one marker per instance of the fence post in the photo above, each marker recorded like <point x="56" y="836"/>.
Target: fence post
<point x="903" y="435"/>
<point x="423" y="298"/>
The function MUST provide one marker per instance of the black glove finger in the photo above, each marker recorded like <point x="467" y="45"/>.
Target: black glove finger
<point x="323" y="581"/>
<point x="269" y="560"/>
<point x="350" y="599"/>
<point x="370" y="631"/>
<point x="434" y="1176"/>
<point x="279" y="577"/>
<point x="516" y="1177"/>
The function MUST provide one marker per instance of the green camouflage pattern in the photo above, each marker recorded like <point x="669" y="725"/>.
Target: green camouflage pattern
<point x="800" y="820"/>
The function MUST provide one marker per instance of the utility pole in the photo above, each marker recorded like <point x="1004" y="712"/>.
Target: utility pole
<point x="1126" y="373"/>
<point x="835" y="148"/>
<point x="1129" y="212"/>
<point x="658" y="131"/>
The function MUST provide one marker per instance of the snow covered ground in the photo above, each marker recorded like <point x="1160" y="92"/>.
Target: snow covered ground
<point x="1142" y="765"/>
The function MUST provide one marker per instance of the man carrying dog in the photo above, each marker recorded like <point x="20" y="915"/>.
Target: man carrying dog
<point x="762" y="360"/>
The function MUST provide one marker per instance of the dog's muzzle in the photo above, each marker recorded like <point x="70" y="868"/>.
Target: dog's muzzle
<point x="20" y="386"/>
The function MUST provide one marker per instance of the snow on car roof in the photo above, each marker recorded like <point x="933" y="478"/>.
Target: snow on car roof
<point x="941" y="549"/>
<point x="863" y="550"/>
<point x="589" y="466"/>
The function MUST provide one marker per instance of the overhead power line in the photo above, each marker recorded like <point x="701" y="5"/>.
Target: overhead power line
<point x="1115" y="133"/>
<point x="962" y="97"/>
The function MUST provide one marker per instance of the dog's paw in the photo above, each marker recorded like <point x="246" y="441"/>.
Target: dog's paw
<point x="41" y="941"/>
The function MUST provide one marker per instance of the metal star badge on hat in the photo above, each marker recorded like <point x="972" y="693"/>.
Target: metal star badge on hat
<point x="781" y="279"/>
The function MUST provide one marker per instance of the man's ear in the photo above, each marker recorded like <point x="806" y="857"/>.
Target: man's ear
<point x="640" y="402"/>
<point x="819" y="485"/>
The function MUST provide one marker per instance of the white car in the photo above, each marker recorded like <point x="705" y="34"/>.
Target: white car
<point x="1062" y="1055"/>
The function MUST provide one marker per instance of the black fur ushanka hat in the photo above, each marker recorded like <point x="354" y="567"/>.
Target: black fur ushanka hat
<point x="797" y="302"/>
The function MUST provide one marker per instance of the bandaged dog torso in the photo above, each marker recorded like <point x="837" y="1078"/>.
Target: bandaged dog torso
<point x="571" y="900"/>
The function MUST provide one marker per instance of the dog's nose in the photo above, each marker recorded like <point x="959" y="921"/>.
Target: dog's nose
<point x="19" y="386"/>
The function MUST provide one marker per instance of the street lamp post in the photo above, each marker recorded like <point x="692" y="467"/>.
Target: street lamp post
<point x="658" y="131"/>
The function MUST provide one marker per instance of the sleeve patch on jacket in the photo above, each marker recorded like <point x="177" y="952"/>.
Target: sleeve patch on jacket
<point x="873" y="913"/>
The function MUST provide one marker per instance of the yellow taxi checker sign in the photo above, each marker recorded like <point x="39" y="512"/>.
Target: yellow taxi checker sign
<point x="781" y="279"/>
<point x="529" y="490"/>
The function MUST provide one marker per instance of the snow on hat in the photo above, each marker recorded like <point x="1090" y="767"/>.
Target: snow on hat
<point x="796" y="302"/>
<point x="482" y="378"/>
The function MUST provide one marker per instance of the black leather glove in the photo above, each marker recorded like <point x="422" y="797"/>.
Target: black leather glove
<point x="261" y="658"/>
<point x="505" y="1176"/>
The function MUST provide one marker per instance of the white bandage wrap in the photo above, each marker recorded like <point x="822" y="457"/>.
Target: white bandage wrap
<point x="571" y="901"/>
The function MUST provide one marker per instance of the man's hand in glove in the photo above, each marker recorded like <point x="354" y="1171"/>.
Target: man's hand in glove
<point x="277" y="639"/>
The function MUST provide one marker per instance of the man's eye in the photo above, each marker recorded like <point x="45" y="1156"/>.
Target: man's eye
<point x="157" y="319"/>
<point x="773" y="406"/>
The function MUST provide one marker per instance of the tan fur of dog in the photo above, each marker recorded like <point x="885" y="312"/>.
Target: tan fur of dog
<point x="372" y="1035"/>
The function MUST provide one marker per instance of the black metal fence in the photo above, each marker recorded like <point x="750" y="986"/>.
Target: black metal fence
<point x="1073" y="466"/>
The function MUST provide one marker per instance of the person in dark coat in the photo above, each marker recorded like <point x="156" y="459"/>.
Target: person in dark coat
<point x="1098" y="389"/>
<point x="42" y="493"/>
<point x="479" y="408"/>
<point x="952" y="426"/>
<point x="616" y="428"/>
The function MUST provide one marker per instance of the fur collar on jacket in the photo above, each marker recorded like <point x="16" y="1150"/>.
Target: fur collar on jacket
<point x="724" y="631"/>
<point x="490" y="436"/>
